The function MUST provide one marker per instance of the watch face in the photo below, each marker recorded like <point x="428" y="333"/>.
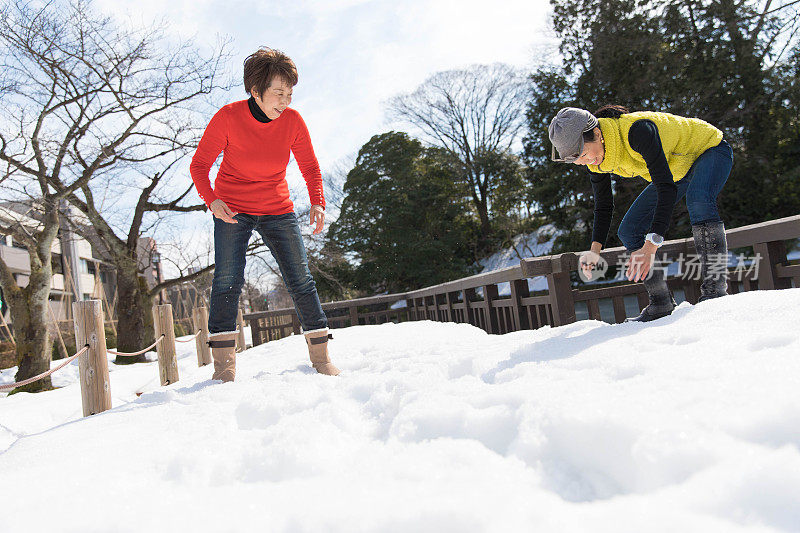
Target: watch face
<point x="655" y="238"/>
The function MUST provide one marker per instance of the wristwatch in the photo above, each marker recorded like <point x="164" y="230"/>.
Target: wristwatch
<point x="654" y="238"/>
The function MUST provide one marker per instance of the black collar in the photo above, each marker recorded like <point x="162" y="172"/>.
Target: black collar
<point x="256" y="111"/>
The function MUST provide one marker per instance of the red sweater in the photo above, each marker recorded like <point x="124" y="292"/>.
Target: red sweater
<point x="252" y="176"/>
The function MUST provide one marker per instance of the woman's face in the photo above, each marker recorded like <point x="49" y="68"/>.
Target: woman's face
<point x="275" y="99"/>
<point x="593" y="152"/>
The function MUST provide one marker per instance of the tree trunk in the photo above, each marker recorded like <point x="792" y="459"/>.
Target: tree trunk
<point x="485" y="239"/>
<point x="135" y="326"/>
<point x="34" y="345"/>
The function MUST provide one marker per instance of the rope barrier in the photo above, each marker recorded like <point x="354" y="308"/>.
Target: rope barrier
<point x="43" y="375"/>
<point x="140" y="351"/>
<point x="189" y="339"/>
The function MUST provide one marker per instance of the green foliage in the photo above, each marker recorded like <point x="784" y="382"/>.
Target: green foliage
<point x="181" y="329"/>
<point x="404" y="222"/>
<point x="717" y="60"/>
<point x="111" y="338"/>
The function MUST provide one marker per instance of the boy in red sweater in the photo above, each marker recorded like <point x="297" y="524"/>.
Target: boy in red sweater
<point x="250" y="193"/>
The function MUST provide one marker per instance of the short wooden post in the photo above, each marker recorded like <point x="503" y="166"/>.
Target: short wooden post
<point x="436" y="311"/>
<point x="470" y="313"/>
<point x="450" y="298"/>
<point x="353" y="315"/>
<point x="560" y="288"/>
<point x="241" y="343"/>
<point x="255" y="331"/>
<point x="92" y="365"/>
<point x="200" y="320"/>
<point x="295" y="324"/>
<point x="490" y="294"/>
<point x="519" y="290"/>
<point x="411" y="309"/>
<point x="594" y="309"/>
<point x="618" y="303"/>
<point x="167" y="361"/>
<point x="769" y="256"/>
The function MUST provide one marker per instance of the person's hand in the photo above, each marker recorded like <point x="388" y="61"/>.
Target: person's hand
<point x="640" y="262"/>
<point x="588" y="262"/>
<point x="317" y="218"/>
<point x="223" y="212"/>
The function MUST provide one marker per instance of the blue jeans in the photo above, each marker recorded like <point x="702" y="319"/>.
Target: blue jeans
<point x="281" y="233"/>
<point x="701" y="186"/>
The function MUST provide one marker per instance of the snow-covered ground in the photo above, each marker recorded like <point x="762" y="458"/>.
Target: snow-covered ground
<point x="691" y="423"/>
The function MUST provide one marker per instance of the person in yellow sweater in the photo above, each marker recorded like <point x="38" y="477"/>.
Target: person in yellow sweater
<point x="679" y="156"/>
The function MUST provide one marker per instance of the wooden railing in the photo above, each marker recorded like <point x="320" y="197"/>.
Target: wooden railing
<point x="477" y="300"/>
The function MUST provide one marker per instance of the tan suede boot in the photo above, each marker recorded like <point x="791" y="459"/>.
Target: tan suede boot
<point x="317" y="342"/>
<point x="223" y="350"/>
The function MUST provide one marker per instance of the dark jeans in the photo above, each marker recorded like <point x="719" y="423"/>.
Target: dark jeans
<point x="281" y="233"/>
<point x="701" y="185"/>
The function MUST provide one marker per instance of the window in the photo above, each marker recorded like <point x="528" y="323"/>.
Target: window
<point x="58" y="267"/>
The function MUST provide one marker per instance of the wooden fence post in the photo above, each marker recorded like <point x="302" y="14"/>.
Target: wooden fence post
<point x="295" y="324"/>
<point x="93" y="365"/>
<point x="470" y="314"/>
<point x="490" y="294"/>
<point x="558" y="284"/>
<point x="241" y="343"/>
<point x="412" y="309"/>
<point x="520" y="290"/>
<point x="167" y="361"/>
<point x="450" y="297"/>
<point x="255" y="331"/>
<point x="770" y="255"/>
<point x="200" y="319"/>
<point x="353" y="315"/>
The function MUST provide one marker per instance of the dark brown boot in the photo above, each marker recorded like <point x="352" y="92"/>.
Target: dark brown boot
<point x="317" y="342"/>
<point x="223" y="351"/>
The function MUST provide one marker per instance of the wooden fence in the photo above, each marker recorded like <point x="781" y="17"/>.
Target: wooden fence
<point x="501" y="301"/>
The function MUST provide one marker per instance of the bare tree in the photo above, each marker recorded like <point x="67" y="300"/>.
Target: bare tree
<point x="28" y="305"/>
<point x="476" y="114"/>
<point x="135" y="326"/>
<point x="84" y="100"/>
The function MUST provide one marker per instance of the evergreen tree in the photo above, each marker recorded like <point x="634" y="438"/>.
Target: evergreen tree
<point x="403" y="218"/>
<point x="730" y="63"/>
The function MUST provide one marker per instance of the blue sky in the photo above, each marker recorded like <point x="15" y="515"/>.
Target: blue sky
<point x="353" y="55"/>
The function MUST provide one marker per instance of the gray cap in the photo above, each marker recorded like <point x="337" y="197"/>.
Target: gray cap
<point x="566" y="133"/>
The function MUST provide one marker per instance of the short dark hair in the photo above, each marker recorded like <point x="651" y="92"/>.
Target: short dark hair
<point x="611" y="111"/>
<point x="607" y="111"/>
<point x="262" y="66"/>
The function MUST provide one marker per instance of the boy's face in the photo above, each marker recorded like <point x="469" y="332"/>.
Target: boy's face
<point x="275" y="99"/>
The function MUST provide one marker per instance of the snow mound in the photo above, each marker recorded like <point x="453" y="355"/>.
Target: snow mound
<point x="534" y="244"/>
<point x="690" y="423"/>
